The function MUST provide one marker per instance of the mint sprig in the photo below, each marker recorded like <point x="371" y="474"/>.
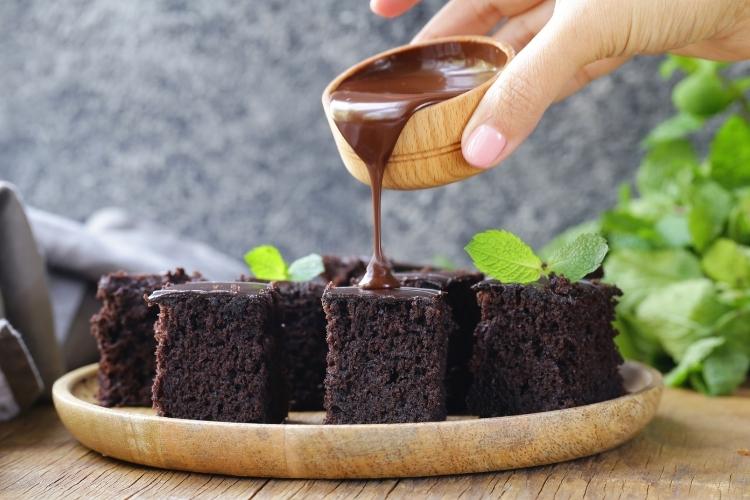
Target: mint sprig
<point x="505" y="257"/>
<point x="267" y="263"/>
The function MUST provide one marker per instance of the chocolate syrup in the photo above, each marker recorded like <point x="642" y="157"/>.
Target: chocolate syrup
<point x="209" y="287"/>
<point x="371" y="107"/>
<point x="404" y="291"/>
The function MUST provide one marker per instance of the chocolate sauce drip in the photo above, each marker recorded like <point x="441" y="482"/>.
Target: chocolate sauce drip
<point x="371" y="107"/>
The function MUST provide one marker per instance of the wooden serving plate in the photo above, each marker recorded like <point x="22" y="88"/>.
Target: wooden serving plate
<point x="304" y="448"/>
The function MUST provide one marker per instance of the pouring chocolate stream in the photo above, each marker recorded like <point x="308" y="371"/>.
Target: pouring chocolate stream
<point x="371" y="108"/>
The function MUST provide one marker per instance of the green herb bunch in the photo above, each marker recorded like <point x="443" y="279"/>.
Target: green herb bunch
<point x="680" y="249"/>
<point x="267" y="263"/>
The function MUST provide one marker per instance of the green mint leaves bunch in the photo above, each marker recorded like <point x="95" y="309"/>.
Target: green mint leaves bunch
<point x="267" y="263"/>
<point x="505" y="257"/>
<point x="680" y="247"/>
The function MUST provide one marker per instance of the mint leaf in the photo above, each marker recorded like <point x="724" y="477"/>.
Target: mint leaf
<point x="306" y="268"/>
<point x="687" y="65"/>
<point x="696" y="380"/>
<point x="504" y="256"/>
<point x="634" y="340"/>
<point x="625" y="230"/>
<point x="739" y="219"/>
<point x="580" y="257"/>
<point x="674" y="230"/>
<point x="676" y="127"/>
<point x="667" y="68"/>
<point x="734" y="326"/>
<point x="566" y="237"/>
<point x="266" y="263"/>
<point x="724" y="370"/>
<point x="681" y="313"/>
<point x="702" y="94"/>
<point x="692" y="360"/>
<point x="728" y="262"/>
<point x="741" y="84"/>
<point x="638" y="273"/>
<point x="729" y="154"/>
<point x="710" y="205"/>
<point x="667" y="169"/>
<point x="673" y="63"/>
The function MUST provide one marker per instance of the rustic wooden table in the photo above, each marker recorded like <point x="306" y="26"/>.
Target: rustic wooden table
<point x="697" y="447"/>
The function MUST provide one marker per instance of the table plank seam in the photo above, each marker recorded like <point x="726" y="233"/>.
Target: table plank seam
<point x="388" y="494"/>
<point x="255" y="494"/>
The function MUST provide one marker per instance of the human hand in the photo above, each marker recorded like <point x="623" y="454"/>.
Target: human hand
<point x="564" y="45"/>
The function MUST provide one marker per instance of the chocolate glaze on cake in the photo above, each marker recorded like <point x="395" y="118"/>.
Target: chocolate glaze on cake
<point x="386" y="355"/>
<point x="219" y="353"/>
<point x="401" y="292"/>
<point x="465" y="313"/>
<point x="544" y="346"/>
<point x="124" y="332"/>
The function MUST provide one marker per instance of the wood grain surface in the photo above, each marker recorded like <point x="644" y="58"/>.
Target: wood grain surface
<point x="304" y="448"/>
<point x="696" y="447"/>
<point x="428" y="151"/>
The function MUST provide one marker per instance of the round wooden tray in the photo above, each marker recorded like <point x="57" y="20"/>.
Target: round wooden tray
<point x="304" y="448"/>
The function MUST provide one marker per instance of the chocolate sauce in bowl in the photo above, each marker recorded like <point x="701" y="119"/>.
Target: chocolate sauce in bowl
<point x="371" y="108"/>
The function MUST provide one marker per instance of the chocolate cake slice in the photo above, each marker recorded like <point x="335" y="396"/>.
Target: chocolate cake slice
<point x="544" y="346"/>
<point x="386" y="355"/>
<point x="303" y="326"/>
<point x="218" y="354"/>
<point x="304" y="329"/>
<point x="124" y="332"/>
<point x="465" y="313"/>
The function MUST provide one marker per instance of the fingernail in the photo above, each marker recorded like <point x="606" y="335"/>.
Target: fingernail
<point x="484" y="146"/>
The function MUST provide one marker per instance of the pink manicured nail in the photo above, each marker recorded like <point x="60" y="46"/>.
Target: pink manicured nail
<point x="483" y="147"/>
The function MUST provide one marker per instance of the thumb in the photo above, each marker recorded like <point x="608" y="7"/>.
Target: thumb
<point x="525" y="88"/>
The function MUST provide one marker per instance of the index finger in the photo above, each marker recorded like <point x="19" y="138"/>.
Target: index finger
<point x="391" y="8"/>
<point x="471" y="17"/>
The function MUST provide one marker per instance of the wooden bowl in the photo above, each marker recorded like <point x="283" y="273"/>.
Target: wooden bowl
<point x="304" y="448"/>
<point x="428" y="151"/>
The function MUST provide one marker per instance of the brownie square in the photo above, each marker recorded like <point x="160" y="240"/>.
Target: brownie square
<point x="544" y="346"/>
<point x="464" y="310"/>
<point x="386" y="355"/>
<point x="124" y="332"/>
<point x="218" y="354"/>
<point x="303" y="326"/>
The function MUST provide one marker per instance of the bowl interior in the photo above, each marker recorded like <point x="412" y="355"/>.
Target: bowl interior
<point x="481" y="47"/>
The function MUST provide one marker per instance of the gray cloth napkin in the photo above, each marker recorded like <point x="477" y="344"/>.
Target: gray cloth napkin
<point x="25" y="296"/>
<point x="49" y="267"/>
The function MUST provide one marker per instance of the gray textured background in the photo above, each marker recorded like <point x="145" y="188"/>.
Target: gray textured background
<point x="206" y="116"/>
